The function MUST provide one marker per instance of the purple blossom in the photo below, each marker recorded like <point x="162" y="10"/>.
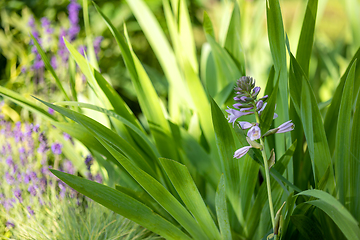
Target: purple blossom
<point x="245" y="125"/>
<point x="53" y="62"/>
<point x="36" y="128"/>
<point x="9" y="161"/>
<point x="68" y="167"/>
<point x="9" y="224"/>
<point x="26" y="178"/>
<point x="32" y="190"/>
<point x="235" y="114"/>
<point x="241" y="151"/>
<point x="51" y="111"/>
<point x="30" y="210"/>
<point x="97" y="43"/>
<point x="98" y="178"/>
<point x="45" y="23"/>
<point x="254" y="133"/>
<point x="56" y="148"/>
<point x="74" y="29"/>
<point x="17" y="194"/>
<point x="285" y="127"/>
<point x="88" y="161"/>
<point x="9" y="178"/>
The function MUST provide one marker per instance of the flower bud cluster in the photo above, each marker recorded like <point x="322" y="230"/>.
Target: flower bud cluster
<point x="247" y="104"/>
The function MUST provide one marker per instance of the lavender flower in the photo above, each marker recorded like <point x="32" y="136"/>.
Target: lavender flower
<point x="56" y="148"/>
<point x="74" y="29"/>
<point x="30" y="210"/>
<point x="9" y="224"/>
<point x="88" y="161"/>
<point x="17" y="194"/>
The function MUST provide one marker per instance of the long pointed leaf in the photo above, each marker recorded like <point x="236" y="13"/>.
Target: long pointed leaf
<point x="123" y="205"/>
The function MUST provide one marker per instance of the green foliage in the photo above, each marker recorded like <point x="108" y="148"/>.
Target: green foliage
<point x="174" y="169"/>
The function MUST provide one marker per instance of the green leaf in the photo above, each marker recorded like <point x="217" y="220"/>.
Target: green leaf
<point x="102" y="88"/>
<point x="48" y="66"/>
<point x="21" y="100"/>
<point x="336" y="211"/>
<point x="123" y="205"/>
<point x="222" y="210"/>
<point x="267" y="115"/>
<point x="342" y="143"/>
<point x="331" y="118"/>
<point x="277" y="46"/>
<point x="140" y="138"/>
<point x="159" y="193"/>
<point x="207" y="25"/>
<point x="321" y="156"/>
<point x="147" y="96"/>
<point x="226" y="69"/>
<point x="232" y="38"/>
<point x="185" y="186"/>
<point x="308" y="227"/>
<point x="306" y="39"/>
<point x="229" y="166"/>
<point x="107" y="134"/>
<point x="354" y="175"/>
<point x="162" y="49"/>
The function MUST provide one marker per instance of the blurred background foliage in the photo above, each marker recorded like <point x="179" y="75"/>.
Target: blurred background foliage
<point x="333" y="47"/>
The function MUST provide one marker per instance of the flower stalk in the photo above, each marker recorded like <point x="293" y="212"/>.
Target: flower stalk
<point x="247" y="104"/>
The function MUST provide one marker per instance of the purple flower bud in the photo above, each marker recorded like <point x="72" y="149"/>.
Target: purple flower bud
<point x="98" y="178"/>
<point x="51" y="111"/>
<point x="56" y="148"/>
<point x="33" y="176"/>
<point x="285" y="127"/>
<point x="246" y="109"/>
<point x="245" y="125"/>
<point x="9" y="178"/>
<point x="254" y="133"/>
<point x="17" y="194"/>
<point x="259" y="104"/>
<point x="9" y="224"/>
<point x="53" y="62"/>
<point x="9" y="161"/>
<point x="32" y="190"/>
<point x="241" y="151"/>
<point x="36" y="128"/>
<point x="26" y="178"/>
<point x="69" y="167"/>
<point x="89" y="160"/>
<point x="262" y="108"/>
<point x="30" y="210"/>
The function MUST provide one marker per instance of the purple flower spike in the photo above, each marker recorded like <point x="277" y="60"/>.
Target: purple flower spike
<point x="235" y="114"/>
<point x="9" y="224"/>
<point x="32" y="190"/>
<point x="30" y="210"/>
<point x="241" y="152"/>
<point x="285" y="127"/>
<point x="245" y="125"/>
<point x="17" y="194"/>
<point x="254" y="133"/>
<point x="56" y="148"/>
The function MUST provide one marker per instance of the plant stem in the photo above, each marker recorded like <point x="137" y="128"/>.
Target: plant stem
<point x="267" y="177"/>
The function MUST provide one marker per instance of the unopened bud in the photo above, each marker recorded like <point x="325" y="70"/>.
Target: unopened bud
<point x="277" y="219"/>
<point x="271" y="131"/>
<point x="271" y="160"/>
<point x="254" y="144"/>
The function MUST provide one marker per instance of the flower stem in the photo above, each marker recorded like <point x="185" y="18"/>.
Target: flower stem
<point x="267" y="177"/>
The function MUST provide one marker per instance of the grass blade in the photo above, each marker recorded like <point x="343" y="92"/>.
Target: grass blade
<point x="222" y="211"/>
<point x="342" y="143"/>
<point x="185" y="186"/>
<point x="123" y="205"/>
